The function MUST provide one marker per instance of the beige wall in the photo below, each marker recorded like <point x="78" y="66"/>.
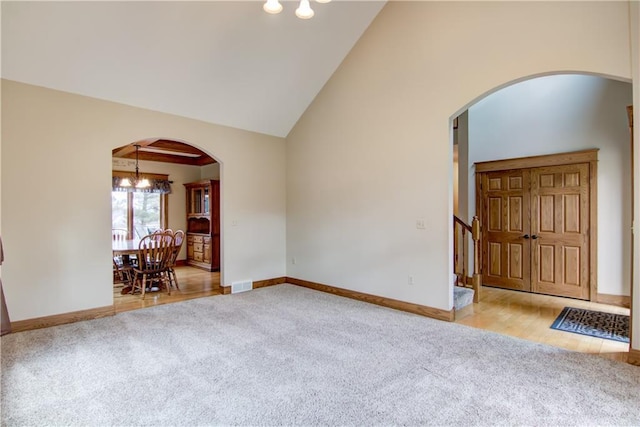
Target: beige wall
<point x="210" y="171"/>
<point x="56" y="187"/>
<point x="388" y="108"/>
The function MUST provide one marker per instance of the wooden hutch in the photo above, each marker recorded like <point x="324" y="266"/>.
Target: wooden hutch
<point x="203" y="224"/>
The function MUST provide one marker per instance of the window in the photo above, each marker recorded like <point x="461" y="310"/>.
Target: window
<point x="140" y="213"/>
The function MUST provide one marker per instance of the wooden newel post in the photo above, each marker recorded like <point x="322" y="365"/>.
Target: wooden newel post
<point x="464" y="256"/>
<point x="477" y="277"/>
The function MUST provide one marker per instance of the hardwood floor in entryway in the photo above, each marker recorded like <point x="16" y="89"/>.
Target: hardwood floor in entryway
<point x="529" y="316"/>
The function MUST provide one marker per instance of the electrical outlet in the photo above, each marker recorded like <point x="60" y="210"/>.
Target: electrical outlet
<point x="420" y="224"/>
<point x="410" y="280"/>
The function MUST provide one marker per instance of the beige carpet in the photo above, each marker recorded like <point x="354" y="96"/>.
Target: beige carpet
<point x="286" y="355"/>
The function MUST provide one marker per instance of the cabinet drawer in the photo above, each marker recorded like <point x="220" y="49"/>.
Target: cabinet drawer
<point x="207" y="240"/>
<point x="189" y="239"/>
<point x="197" y="239"/>
<point x="207" y="253"/>
<point x="197" y="247"/>
<point x="197" y="256"/>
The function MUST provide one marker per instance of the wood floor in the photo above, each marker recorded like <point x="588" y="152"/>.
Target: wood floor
<point x="518" y="314"/>
<point x="529" y="316"/>
<point x="193" y="282"/>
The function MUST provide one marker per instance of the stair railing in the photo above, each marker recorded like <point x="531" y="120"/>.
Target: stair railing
<point x="460" y="260"/>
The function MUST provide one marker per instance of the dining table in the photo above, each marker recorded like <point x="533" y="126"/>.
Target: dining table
<point x="126" y="247"/>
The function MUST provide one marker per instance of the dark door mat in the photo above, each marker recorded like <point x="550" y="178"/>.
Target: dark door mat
<point x="593" y="323"/>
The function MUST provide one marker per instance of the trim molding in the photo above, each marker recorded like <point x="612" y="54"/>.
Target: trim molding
<point x="95" y="313"/>
<point x="422" y="310"/>
<point x="61" y="319"/>
<point x="269" y="282"/>
<point x="584" y="156"/>
<point x="226" y="290"/>
<point x="634" y="357"/>
<point x="618" y="300"/>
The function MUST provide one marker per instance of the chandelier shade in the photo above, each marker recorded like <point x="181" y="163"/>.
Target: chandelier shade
<point x="128" y="182"/>
<point x="304" y="11"/>
<point x="272" y="6"/>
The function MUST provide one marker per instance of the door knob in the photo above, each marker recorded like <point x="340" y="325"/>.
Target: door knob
<point x="526" y="236"/>
<point x="534" y="237"/>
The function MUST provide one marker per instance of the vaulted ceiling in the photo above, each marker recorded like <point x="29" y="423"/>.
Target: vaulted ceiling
<point x="224" y="62"/>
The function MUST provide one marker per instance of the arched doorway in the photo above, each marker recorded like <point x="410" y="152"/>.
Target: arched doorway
<point x="553" y="114"/>
<point x="180" y="173"/>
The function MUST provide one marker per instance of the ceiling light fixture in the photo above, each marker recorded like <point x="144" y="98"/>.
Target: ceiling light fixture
<point x="303" y="11"/>
<point x="272" y="6"/>
<point x="136" y="181"/>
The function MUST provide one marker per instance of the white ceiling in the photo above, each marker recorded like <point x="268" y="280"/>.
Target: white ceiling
<point x="224" y="62"/>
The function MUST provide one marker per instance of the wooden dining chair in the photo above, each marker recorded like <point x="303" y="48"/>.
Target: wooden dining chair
<point x="123" y="272"/>
<point x="121" y="267"/>
<point x="119" y="234"/>
<point x="178" y="239"/>
<point x="153" y="260"/>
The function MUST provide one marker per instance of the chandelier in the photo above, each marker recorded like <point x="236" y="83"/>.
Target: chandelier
<point x="136" y="181"/>
<point x="303" y="11"/>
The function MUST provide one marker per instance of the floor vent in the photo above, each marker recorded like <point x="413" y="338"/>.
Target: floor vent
<point x="243" y="286"/>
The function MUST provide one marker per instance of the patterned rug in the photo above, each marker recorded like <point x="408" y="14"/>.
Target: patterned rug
<point x="593" y="323"/>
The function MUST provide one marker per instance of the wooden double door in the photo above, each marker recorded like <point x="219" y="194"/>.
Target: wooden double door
<point x="536" y="229"/>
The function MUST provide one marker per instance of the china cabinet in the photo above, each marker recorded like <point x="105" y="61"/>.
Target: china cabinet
<point x="203" y="224"/>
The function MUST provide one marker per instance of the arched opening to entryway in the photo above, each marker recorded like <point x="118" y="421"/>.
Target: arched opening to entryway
<point x="537" y="116"/>
<point x="182" y="195"/>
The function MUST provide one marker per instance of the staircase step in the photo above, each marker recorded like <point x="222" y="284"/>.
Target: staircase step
<point x="462" y="297"/>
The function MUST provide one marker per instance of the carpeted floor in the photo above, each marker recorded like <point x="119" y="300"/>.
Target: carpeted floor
<point x="286" y="355"/>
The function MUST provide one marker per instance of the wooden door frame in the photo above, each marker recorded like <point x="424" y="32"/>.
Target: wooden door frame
<point x="630" y="116"/>
<point x="584" y="156"/>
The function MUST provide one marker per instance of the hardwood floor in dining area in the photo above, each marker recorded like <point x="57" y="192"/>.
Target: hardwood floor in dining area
<point x="529" y="316"/>
<point x="193" y="282"/>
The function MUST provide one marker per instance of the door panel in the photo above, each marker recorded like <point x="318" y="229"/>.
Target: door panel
<point x="547" y="211"/>
<point x="546" y="263"/>
<point x="559" y="223"/>
<point x="515" y="262"/>
<point x="506" y="253"/>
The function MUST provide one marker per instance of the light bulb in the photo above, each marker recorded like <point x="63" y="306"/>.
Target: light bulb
<point x="272" y="6"/>
<point x="125" y="182"/>
<point x="304" y="11"/>
<point x="144" y="183"/>
<point x="323" y="1"/>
